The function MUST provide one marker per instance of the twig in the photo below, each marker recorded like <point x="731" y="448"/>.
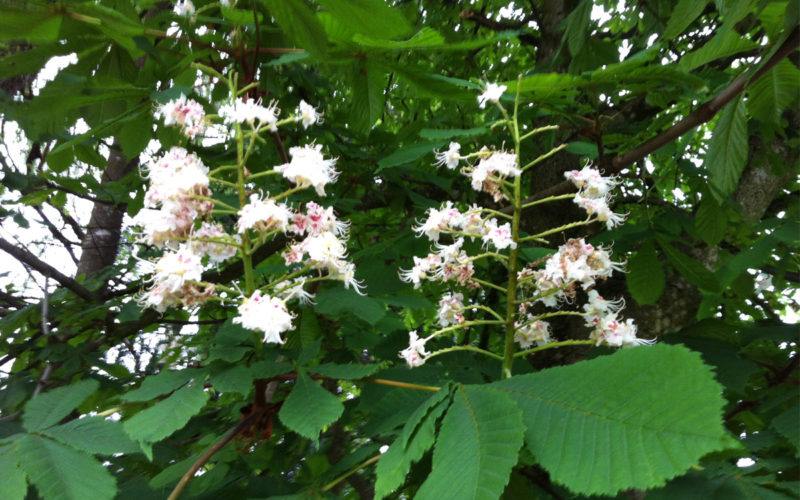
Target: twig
<point x="46" y="269"/>
<point x="48" y="368"/>
<point x="205" y="457"/>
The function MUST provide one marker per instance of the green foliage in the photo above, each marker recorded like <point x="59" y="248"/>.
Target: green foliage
<point x="670" y="418"/>
<point x="309" y="408"/>
<point x="115" y="400"/>
<point x="59" y="471"/>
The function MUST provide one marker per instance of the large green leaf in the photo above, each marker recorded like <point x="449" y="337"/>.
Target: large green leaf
<point x="167" y="416"/>
<point x="28" y="21"/>
<point x="309" y="407"/>
<point x="477" y="446"/>
<point x="60" y="472"/>
<point x="629" y="420"/>
<point x="577" y="27"/>
<point x="772" y="93"/>
<point x="725" y="43"/>
<point x="727" y="150"/>
<point x="408" y="154"/>
<point x="374" y="18"/>
<point x="416" y="438"/>
<point x="11" y="476"/>
<point x="300" y="24"/>
<point x="710" y="221"/>
<point x="692" y="270"/>
<point x="95" y="435"/>
<point x="162" y="383"/>
<point x="338" y="301"/>
<point x="682" y="16"/>
<point x="50" y="407"/>
<point x="645" y="274"/>
<point x="368" y="84"/>
<point x="426" y="38"/>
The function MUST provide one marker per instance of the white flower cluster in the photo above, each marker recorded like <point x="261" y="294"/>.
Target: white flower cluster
<point x="527" y="333"/>
<point x="575" y="262"/>
<point x="251" y="112"/>
<point x="184" y="8"/>
<point x="413" y="354"/>
<point x="179" y="184"/>
<point x="173" y="277"/>
<point x="449" y="219"/>
<point x="265" y="314"/>
<point x="488" y="175"/>
<point x="450" y="308"/>
<point x="449" y="263"/>
<point x="594" y="194"/>
<point x="492" y="94"/>
<point x="578" y="262"/>
<point x="601" y="315"/>
<point x="185" y="113"/>
<point x="309" y="168"/>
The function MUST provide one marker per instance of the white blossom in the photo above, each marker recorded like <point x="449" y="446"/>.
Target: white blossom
<point x="252" y="112"/>
<point x="216" y="251"/>
<point x="186" y="113"/>
<point x="309" y="168"/>
<point x="536" y="331"/>
<point x="265" y="314"/>
<point x="413" y="354"/>
<point x="450" y="157"/>
<point x="499" y="236"/>
<point x="263" y="215"/>
<point x="307" y="114"/>
<point x="184" y="8"/>
<point x="450" y="307"/>
<point x="492" y="94"/>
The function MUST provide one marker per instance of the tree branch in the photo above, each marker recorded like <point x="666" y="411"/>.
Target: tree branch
<point x="702" y="115"/>
<point x="46" y="269"/>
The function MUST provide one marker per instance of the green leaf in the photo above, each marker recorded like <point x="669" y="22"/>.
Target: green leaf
<point x="408" y="154"/>
<point x="656" y="412"/>
<point x="161" y="383"/>
<point x="690" y="268"/>
<point x="645" y="276"/>
<point x="240" y="17"/>
<point x="344" y="372"/>
<point x="577" y="27"/>
<point x="300" y="24"/>
<point x="426" y="37"/>
<point x="95" y="435"/>
<point x="728" y="148"/>
<point x="237" y="378"/>
<point x="268" y="369"/>
<point x="416" y="439"/>
<point x="48" y="408"/>
<point x="11" y="476"/>
<point x="725" y="43"/>
<point x="309" y="408"/>
<point x="587" y="149"/>
<point x="544" y="85"/>
<point x="684" y="13"/>
<point x="36" y="198"/>
<point x="786" y="424"/>
<point x="167" y="416"/>
<point x="367" y="97"/>
<point x="135" y="134"/>
<point x="442" y="134"/>
<point x="30" y="22"/>
<point x="771" y="94"/>
<point x="477" y="446"/>
<point x="710" y="221"/>
<point x="374" y="18"/>
<point x="60" y="472"/>
<point x="338" y="301"/>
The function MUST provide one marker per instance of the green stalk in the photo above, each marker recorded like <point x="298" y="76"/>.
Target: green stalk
<point x="247" y="260"/>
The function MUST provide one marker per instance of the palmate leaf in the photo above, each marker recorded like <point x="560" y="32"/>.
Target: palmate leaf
<point x="167" y="416"/>
<point x="477" y="446"/>
<point x="629" y="420"/>
<point x="60" y="472"/>
<point x="773" y="92"/>
<point x="50" y="407"/>
<point x="309" y="407"/>
<point x="728" y="148"/>
<point x="93" y="434"/>
<point x="645" y="276"/>
<point x="415" y="439"/>
<point x="11" y="476"/>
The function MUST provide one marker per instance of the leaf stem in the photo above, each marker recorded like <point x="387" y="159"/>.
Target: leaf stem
<point x="552" y="345"/>
<point x="355" y="469"/>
